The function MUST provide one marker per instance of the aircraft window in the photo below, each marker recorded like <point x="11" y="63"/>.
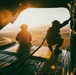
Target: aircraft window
<point x="38" y="21"/>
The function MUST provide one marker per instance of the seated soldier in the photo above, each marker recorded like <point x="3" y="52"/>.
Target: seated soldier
<point x="24" y="38"/>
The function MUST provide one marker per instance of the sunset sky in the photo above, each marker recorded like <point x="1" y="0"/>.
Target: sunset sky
<point x="34" y="17"/>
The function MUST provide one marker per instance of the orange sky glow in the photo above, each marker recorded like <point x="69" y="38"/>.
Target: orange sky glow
<point x="34" y="17"/>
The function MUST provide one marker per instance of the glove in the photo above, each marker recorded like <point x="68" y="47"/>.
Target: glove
<point x="69" y="19"/>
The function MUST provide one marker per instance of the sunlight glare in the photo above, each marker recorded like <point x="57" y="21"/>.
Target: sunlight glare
<point x="34" y="17"/>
